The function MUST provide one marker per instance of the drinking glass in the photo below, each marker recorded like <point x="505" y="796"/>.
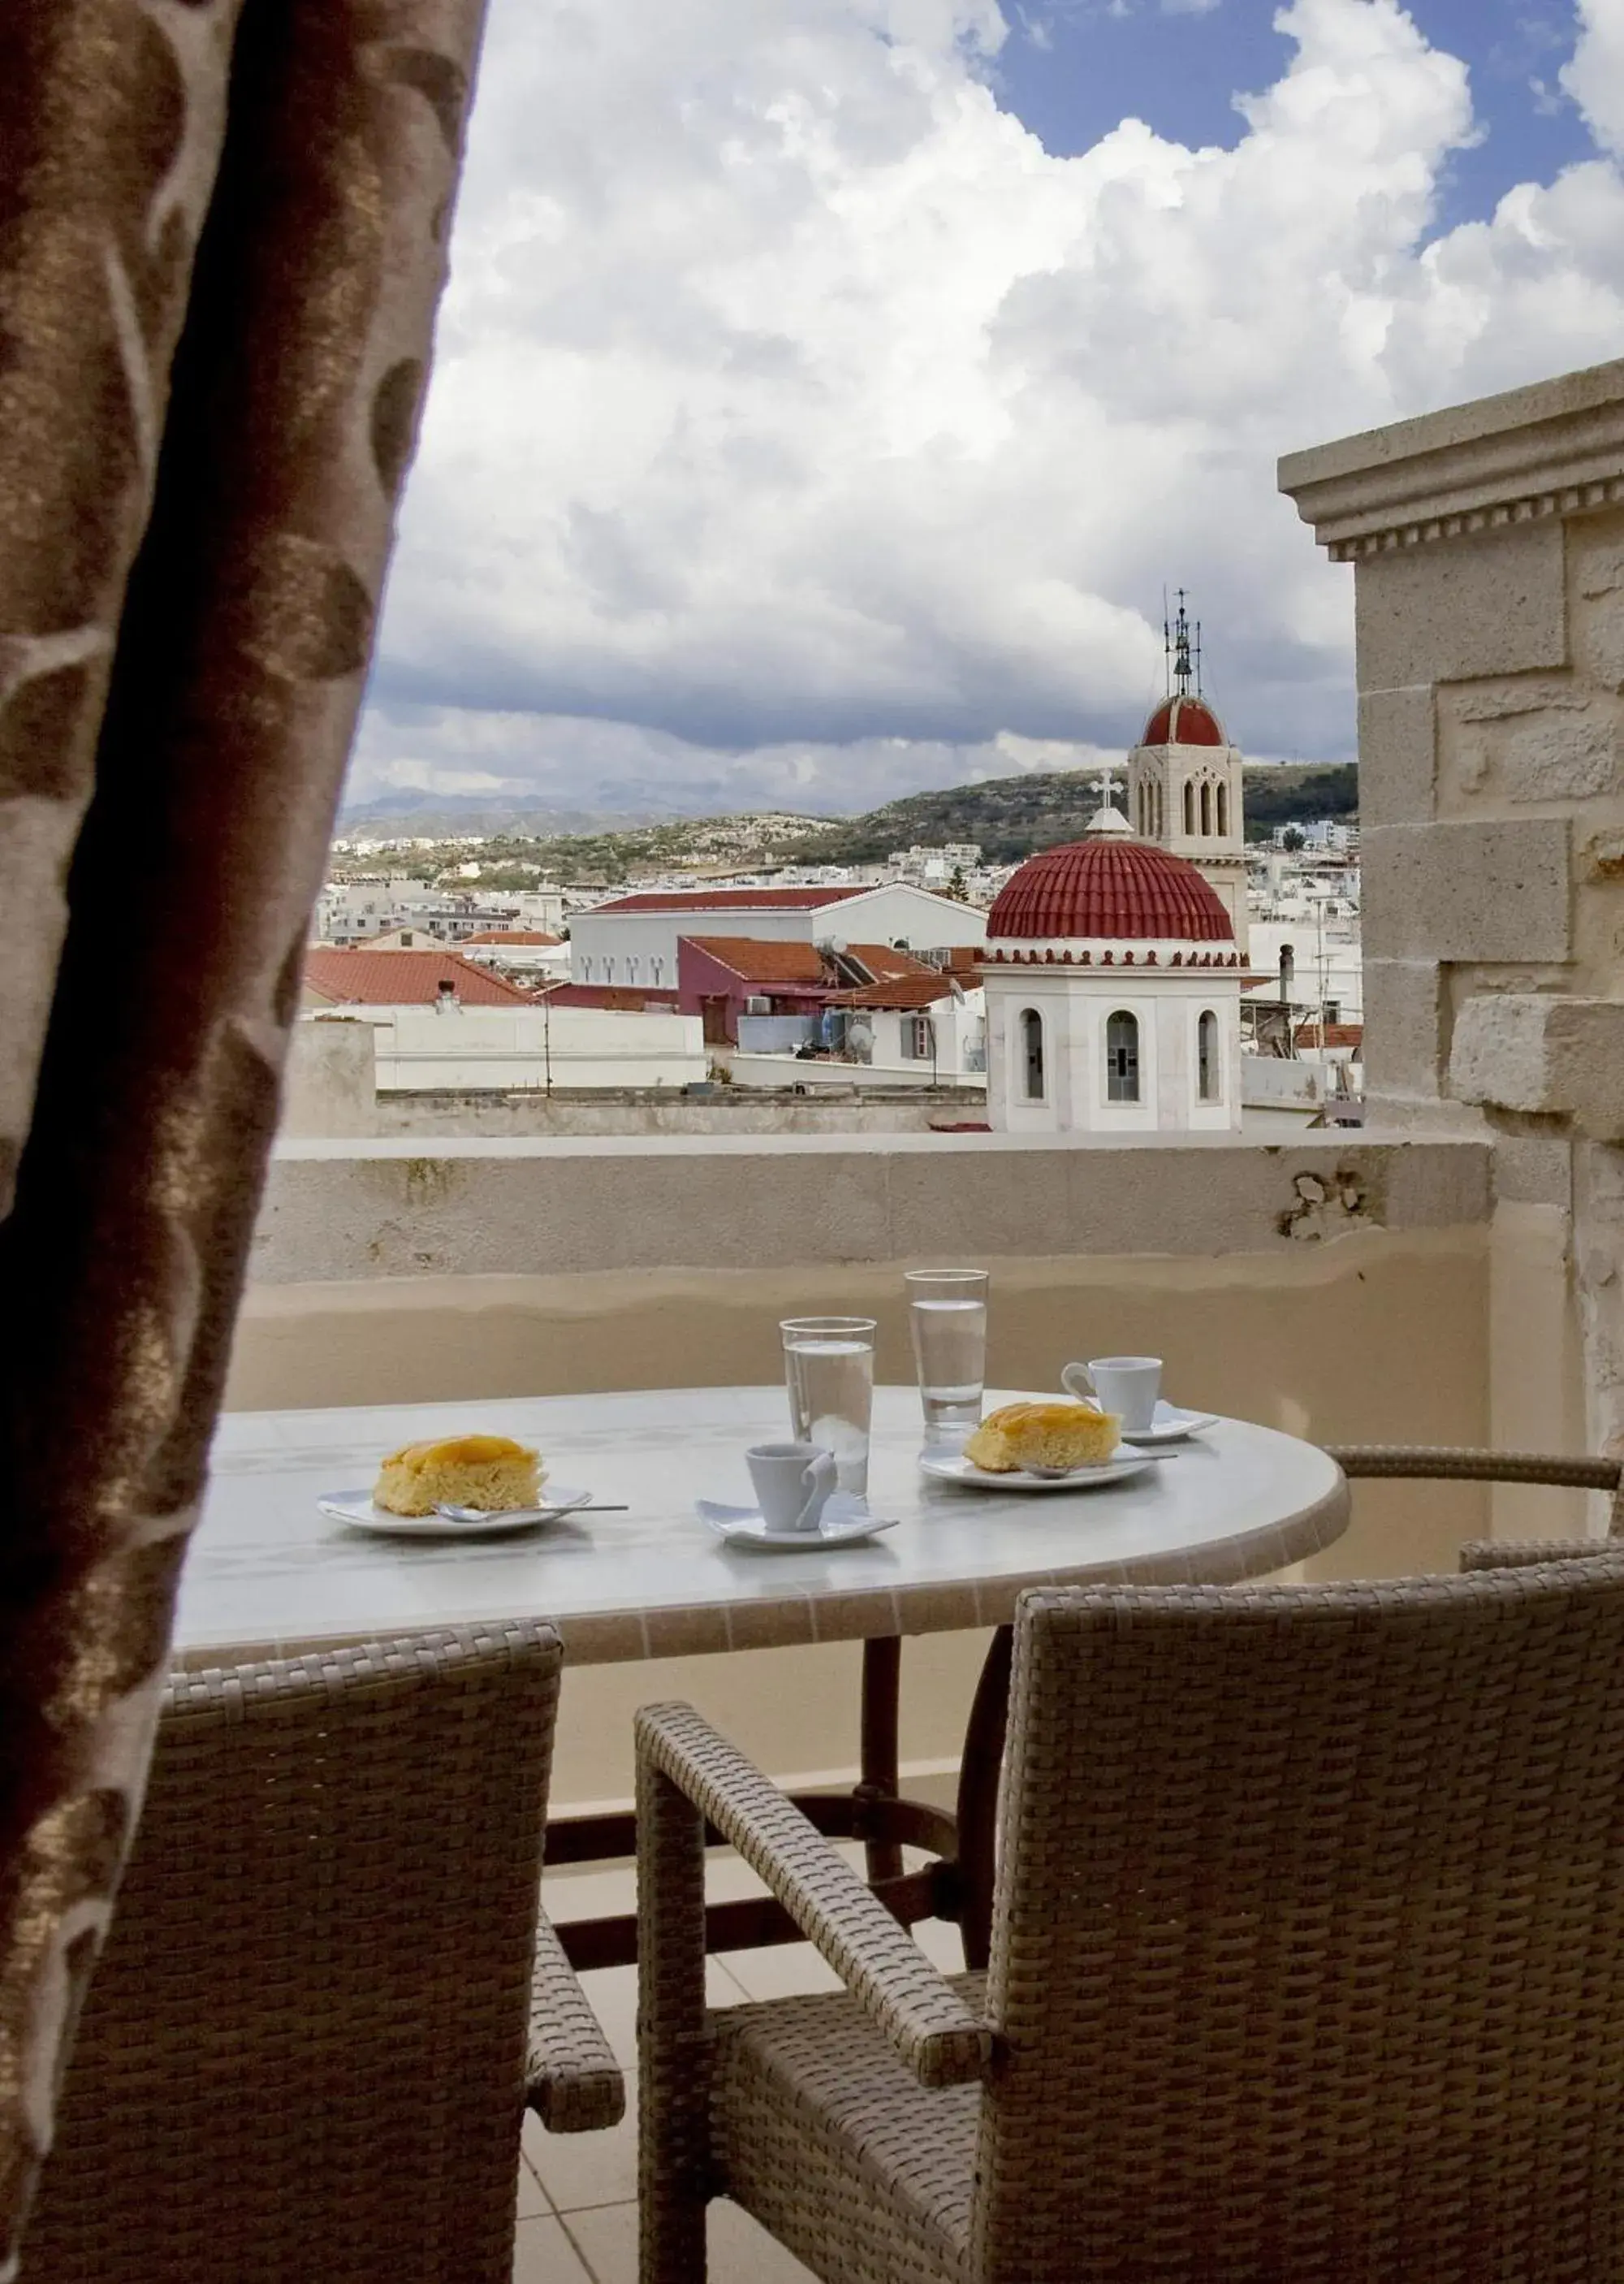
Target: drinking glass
<point x="947" y="1315"/>
<point x="829" y="1368"/>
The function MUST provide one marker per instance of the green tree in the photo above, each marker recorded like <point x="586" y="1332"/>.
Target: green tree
<point x="955" y="888"/>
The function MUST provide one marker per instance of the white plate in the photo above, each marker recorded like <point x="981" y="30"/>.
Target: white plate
<point x="844" y="1521"/>
<point x="955" y="1468"/>
<point x="357" y="1509"/>
<point x="1170" y="1423"/>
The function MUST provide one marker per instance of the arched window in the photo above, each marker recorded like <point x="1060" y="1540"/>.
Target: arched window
<point x="1031" y="1054"/>
<point x="1209" y="1063"/>
<point x="1122" y="1056"/>
<point x="1288" y="970"/>
<point x="1223" y="808"/>
<point x="1190" y="810"/>
<point x="1206" y="811"/>
<point x="1161" y="822"/>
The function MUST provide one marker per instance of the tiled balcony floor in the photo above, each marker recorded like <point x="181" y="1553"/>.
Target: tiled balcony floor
<point x="577" y="2192"/>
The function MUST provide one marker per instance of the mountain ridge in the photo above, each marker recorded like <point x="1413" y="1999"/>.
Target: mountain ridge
<point x="1009" y="817"/>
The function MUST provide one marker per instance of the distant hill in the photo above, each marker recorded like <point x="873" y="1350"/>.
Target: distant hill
<point x="422" y="816"/>
<point x="1012" y="817"/>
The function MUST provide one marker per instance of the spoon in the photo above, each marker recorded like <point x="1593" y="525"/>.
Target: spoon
<point x="529" y="1513"/>
<point x="1062" y="1474"/>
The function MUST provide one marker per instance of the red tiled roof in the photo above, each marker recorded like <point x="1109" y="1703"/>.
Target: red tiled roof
<point x="1110" y="889"/>
<point x="758" y="962"/>
<point x="885" y="963"/>
<point x="1184" y="722"/>
<point x="729" y="900"/>
<point x="513" y="936"/>
<point x="900" y="992"/>
<point x="1337" y="1034"/>
<point x="360" y="978"/>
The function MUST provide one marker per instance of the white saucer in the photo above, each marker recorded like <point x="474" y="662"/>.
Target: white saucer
<point x="1170" y="1423"/>
<point x="357" y="1509"/>
<point x="955" y="1468"/>
<point x="844" y="1521"/>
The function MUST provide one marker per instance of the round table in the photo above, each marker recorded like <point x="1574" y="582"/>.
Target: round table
<point x="268" y="1575"/>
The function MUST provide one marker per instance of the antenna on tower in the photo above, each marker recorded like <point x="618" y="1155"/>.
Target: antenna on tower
<point x="1166" y="645"/>
<point x="1184" y="672"/>
<point x="1198" y="658"/>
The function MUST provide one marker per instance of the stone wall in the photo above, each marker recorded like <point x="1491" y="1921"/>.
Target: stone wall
<point x="1487" y="545"/>
<point x="807" y="1203"/>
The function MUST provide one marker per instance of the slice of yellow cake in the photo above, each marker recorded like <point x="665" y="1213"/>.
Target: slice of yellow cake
<point x="491" y="1471"/>
<point x="1048" y="1434"/>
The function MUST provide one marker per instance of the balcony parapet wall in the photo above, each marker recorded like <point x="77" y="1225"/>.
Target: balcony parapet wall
<point x="376" y="1209"/>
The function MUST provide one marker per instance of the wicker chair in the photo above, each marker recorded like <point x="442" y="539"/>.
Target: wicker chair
<point x="1307" y="1962"/>
<point x="309" y="2046"/>
<point x="1412" y="1462"/>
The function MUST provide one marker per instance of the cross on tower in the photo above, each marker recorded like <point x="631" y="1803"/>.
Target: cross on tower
<point x="1105" y="786"/>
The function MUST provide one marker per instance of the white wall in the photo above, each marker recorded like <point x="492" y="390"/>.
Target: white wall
<point x="789" y="1070"/>
<point x="1343" y="969"/>
<point x="520" y="959"/>
<point x="961" y="1038"/>
<point x="417" y="1048"/>
<point x="1075" y="1014"/>
<point x="1272" y="1079"/>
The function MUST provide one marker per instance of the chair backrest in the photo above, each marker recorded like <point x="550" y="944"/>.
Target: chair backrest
<point x="1308" y="1953"/>
<point x="302" y="2055"/>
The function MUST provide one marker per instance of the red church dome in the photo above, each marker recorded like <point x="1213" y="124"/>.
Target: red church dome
<point x="1111" y="888"/>
<point x="1184" y="722"/>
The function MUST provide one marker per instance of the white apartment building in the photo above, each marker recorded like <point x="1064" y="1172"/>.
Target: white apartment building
<point x="632" y="940"/>
<point x="357" y="912"/>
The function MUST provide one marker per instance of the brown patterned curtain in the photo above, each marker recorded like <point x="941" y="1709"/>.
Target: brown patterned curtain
<point x="222" y="234"/>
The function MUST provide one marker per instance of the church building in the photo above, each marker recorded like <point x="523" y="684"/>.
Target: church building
<point x="1113" y="981"/>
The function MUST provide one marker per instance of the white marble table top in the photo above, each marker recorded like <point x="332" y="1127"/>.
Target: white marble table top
<point x="268" y="1574"/>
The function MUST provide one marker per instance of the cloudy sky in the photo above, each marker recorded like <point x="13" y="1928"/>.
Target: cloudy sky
<point x="827" y="388"/>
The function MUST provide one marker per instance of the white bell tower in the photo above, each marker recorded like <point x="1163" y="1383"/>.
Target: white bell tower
<point x="1186" y="783"/>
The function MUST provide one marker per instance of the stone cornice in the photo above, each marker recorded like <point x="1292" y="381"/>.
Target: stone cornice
<point x="1554" y="448"/>
<point x="1111" y="958"/>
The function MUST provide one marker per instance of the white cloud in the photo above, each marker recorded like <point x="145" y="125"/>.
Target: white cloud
<point x="790" y="396"/>
<point x="1595" y="78"/>
<point x="584" y="764"/>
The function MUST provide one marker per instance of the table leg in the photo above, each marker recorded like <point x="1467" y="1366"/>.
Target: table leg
<point x="882" y="1670"/>
<point x="872" y="1811"/>
<point x="978" y="1798"/>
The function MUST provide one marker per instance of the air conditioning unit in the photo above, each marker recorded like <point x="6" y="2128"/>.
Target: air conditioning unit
<point x="757" y="1006"/>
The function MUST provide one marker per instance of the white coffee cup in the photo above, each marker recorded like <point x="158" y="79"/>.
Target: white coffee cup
<point x="1127" y="1386"/>
<point x="793" y="1482"/>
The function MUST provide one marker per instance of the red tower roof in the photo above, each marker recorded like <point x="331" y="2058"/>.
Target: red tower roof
<point x="1184" y="722"/>
<point x="1112" y="889"/>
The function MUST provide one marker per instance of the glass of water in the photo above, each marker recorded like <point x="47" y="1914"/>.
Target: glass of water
<point x="947" y="1315"/>
<point x="829" y="1367"/>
